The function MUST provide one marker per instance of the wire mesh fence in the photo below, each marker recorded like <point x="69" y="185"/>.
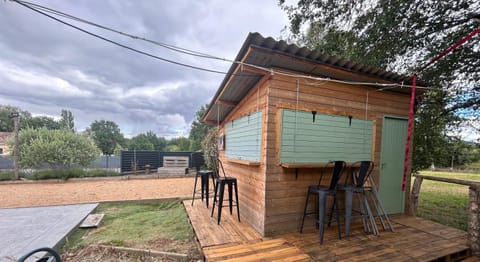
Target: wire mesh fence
<point x="443" y="202"/>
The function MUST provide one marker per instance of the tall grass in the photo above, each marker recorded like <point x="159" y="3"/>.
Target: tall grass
<point x="443" y="202"/>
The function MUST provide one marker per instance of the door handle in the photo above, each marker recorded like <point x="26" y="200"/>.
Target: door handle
<point x="383" y="165"/>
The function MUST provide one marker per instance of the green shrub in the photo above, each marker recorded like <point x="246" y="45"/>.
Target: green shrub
<point x="100" y="173"/>
<point x="70" y="173"/>
<point x="56" y="174"/>
<point x="7" y="175"/>
<point x="55" y="149"/>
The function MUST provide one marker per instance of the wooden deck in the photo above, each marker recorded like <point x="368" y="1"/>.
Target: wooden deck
<point x="414" y="239"/>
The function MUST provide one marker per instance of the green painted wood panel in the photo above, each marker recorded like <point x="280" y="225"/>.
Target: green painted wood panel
<point x="394" y="135"/>
<point x="243" y="137"/>
<point x="330" y="137"/>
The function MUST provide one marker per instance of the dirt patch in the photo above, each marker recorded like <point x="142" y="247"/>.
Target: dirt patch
<point x="94" y="253"/>
<point x="74" y="192"/>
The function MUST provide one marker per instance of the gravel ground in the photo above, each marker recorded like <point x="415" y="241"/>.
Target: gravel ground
<point x="45" y="193"/>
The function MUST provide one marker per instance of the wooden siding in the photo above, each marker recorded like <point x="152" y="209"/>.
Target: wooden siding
<point x="244" y="137"/>
<point x="329" y="138"/>
<point x="285" y="192"/>
<point x="251" y="179"/>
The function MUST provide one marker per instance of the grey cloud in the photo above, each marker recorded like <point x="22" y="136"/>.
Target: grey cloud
<point x="109" y="82"/>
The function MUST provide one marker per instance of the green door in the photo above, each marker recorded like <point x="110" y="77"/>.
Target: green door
<point x="394" y="135"/>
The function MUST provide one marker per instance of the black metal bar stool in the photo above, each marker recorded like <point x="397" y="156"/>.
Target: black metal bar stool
<point x="360" y="174"/>
<point x="231" y="183"/>
<point x="322" y="192"/>
<point x="204" y="190"/>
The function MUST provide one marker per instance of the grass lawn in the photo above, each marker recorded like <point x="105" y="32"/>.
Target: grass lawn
<point x="444" y="202"/>
<point x="160" y="226"/>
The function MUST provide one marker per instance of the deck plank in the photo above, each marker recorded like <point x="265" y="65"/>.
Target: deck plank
<point x="414" y="239"/>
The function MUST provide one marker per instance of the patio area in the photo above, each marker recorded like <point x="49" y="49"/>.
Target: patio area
<point x="414" y="239"/>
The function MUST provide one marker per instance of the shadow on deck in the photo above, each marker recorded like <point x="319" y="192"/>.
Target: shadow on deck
<point x="414" y="239"/>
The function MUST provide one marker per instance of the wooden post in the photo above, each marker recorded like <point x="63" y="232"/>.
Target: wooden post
<point x="15" y="117"/>
<point x="474" y="220"/>
<point x="414" y="195"/>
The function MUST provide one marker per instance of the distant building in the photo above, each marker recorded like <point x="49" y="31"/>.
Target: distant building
<point x="4" y="149"/>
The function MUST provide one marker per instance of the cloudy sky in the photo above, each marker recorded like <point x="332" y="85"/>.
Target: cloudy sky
<point x="46" y="66"/>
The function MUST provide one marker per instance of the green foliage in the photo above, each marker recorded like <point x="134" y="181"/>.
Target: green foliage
<point x="210" y="147"/>
<point x="136" y="224"/>
<point x="66" y="122"/>
<point x="180" y="144"/>
<point x="6" y="123"/>
<point x="158" y="143"/>
<point x="475" y="165"/>
<point x="7" y="175"/>
<point x="54" y="148"/>
<point x="42" y="122"/>
<point x="140" y="142"/>
<point x="198" y="129"/>
<point x="27" y="121"/>
<point x="106" y="135"/>
<point x="402" y="36"/>
<point x="70" y="173"/>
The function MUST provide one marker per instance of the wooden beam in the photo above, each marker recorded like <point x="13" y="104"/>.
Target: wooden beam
<point x="226" y="102"/>
<point x="452" y="181"/>
<point x="210" y="122"/>
<point x="252" y="69"/>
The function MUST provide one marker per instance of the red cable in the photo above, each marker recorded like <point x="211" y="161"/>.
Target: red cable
<point x="412" y="100"/>
<point x="450" y="49"/>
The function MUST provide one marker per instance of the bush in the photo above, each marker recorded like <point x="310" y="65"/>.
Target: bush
<point x="56" y="174"/>
<point x="100" y="173"/>
<point x="7" y="175"/>
<point x="54" y="148"/>
<point x="70" y="173"/>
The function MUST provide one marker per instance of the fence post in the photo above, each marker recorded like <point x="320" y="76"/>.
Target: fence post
<point x="414" y="195"/>
<point x="474" y="220"/>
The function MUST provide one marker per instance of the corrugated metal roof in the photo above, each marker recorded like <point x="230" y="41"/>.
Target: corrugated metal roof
<point x="270" y="53"/>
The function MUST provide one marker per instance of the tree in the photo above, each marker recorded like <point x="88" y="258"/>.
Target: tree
<point x="198" y="129"/>
<point x="106" y="135"/>
<point x="38" y="122"/>
<point x="431" y="142"/>
<point x="6" y="123"/>
<point x="66" y="122"/>
<point x="158" y="143"/>
<point x="140" y="142"/>
<point x="178" y="144"/>
<point x="402" y="36"/>
<point x="55" y="148"/>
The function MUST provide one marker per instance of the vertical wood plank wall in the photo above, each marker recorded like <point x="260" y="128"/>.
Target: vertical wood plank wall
<point x="285" y="195"/>
<point x="271" y="198"/>
<point x="251" y="179"/>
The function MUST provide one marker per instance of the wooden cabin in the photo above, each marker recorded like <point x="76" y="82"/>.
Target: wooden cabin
<point x="283" y="111"/>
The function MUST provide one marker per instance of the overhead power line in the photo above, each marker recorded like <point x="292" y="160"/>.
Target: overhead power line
<point x="119" y="44"/>
<point x="78" y="19"/>
<point x="44" y="10"/>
